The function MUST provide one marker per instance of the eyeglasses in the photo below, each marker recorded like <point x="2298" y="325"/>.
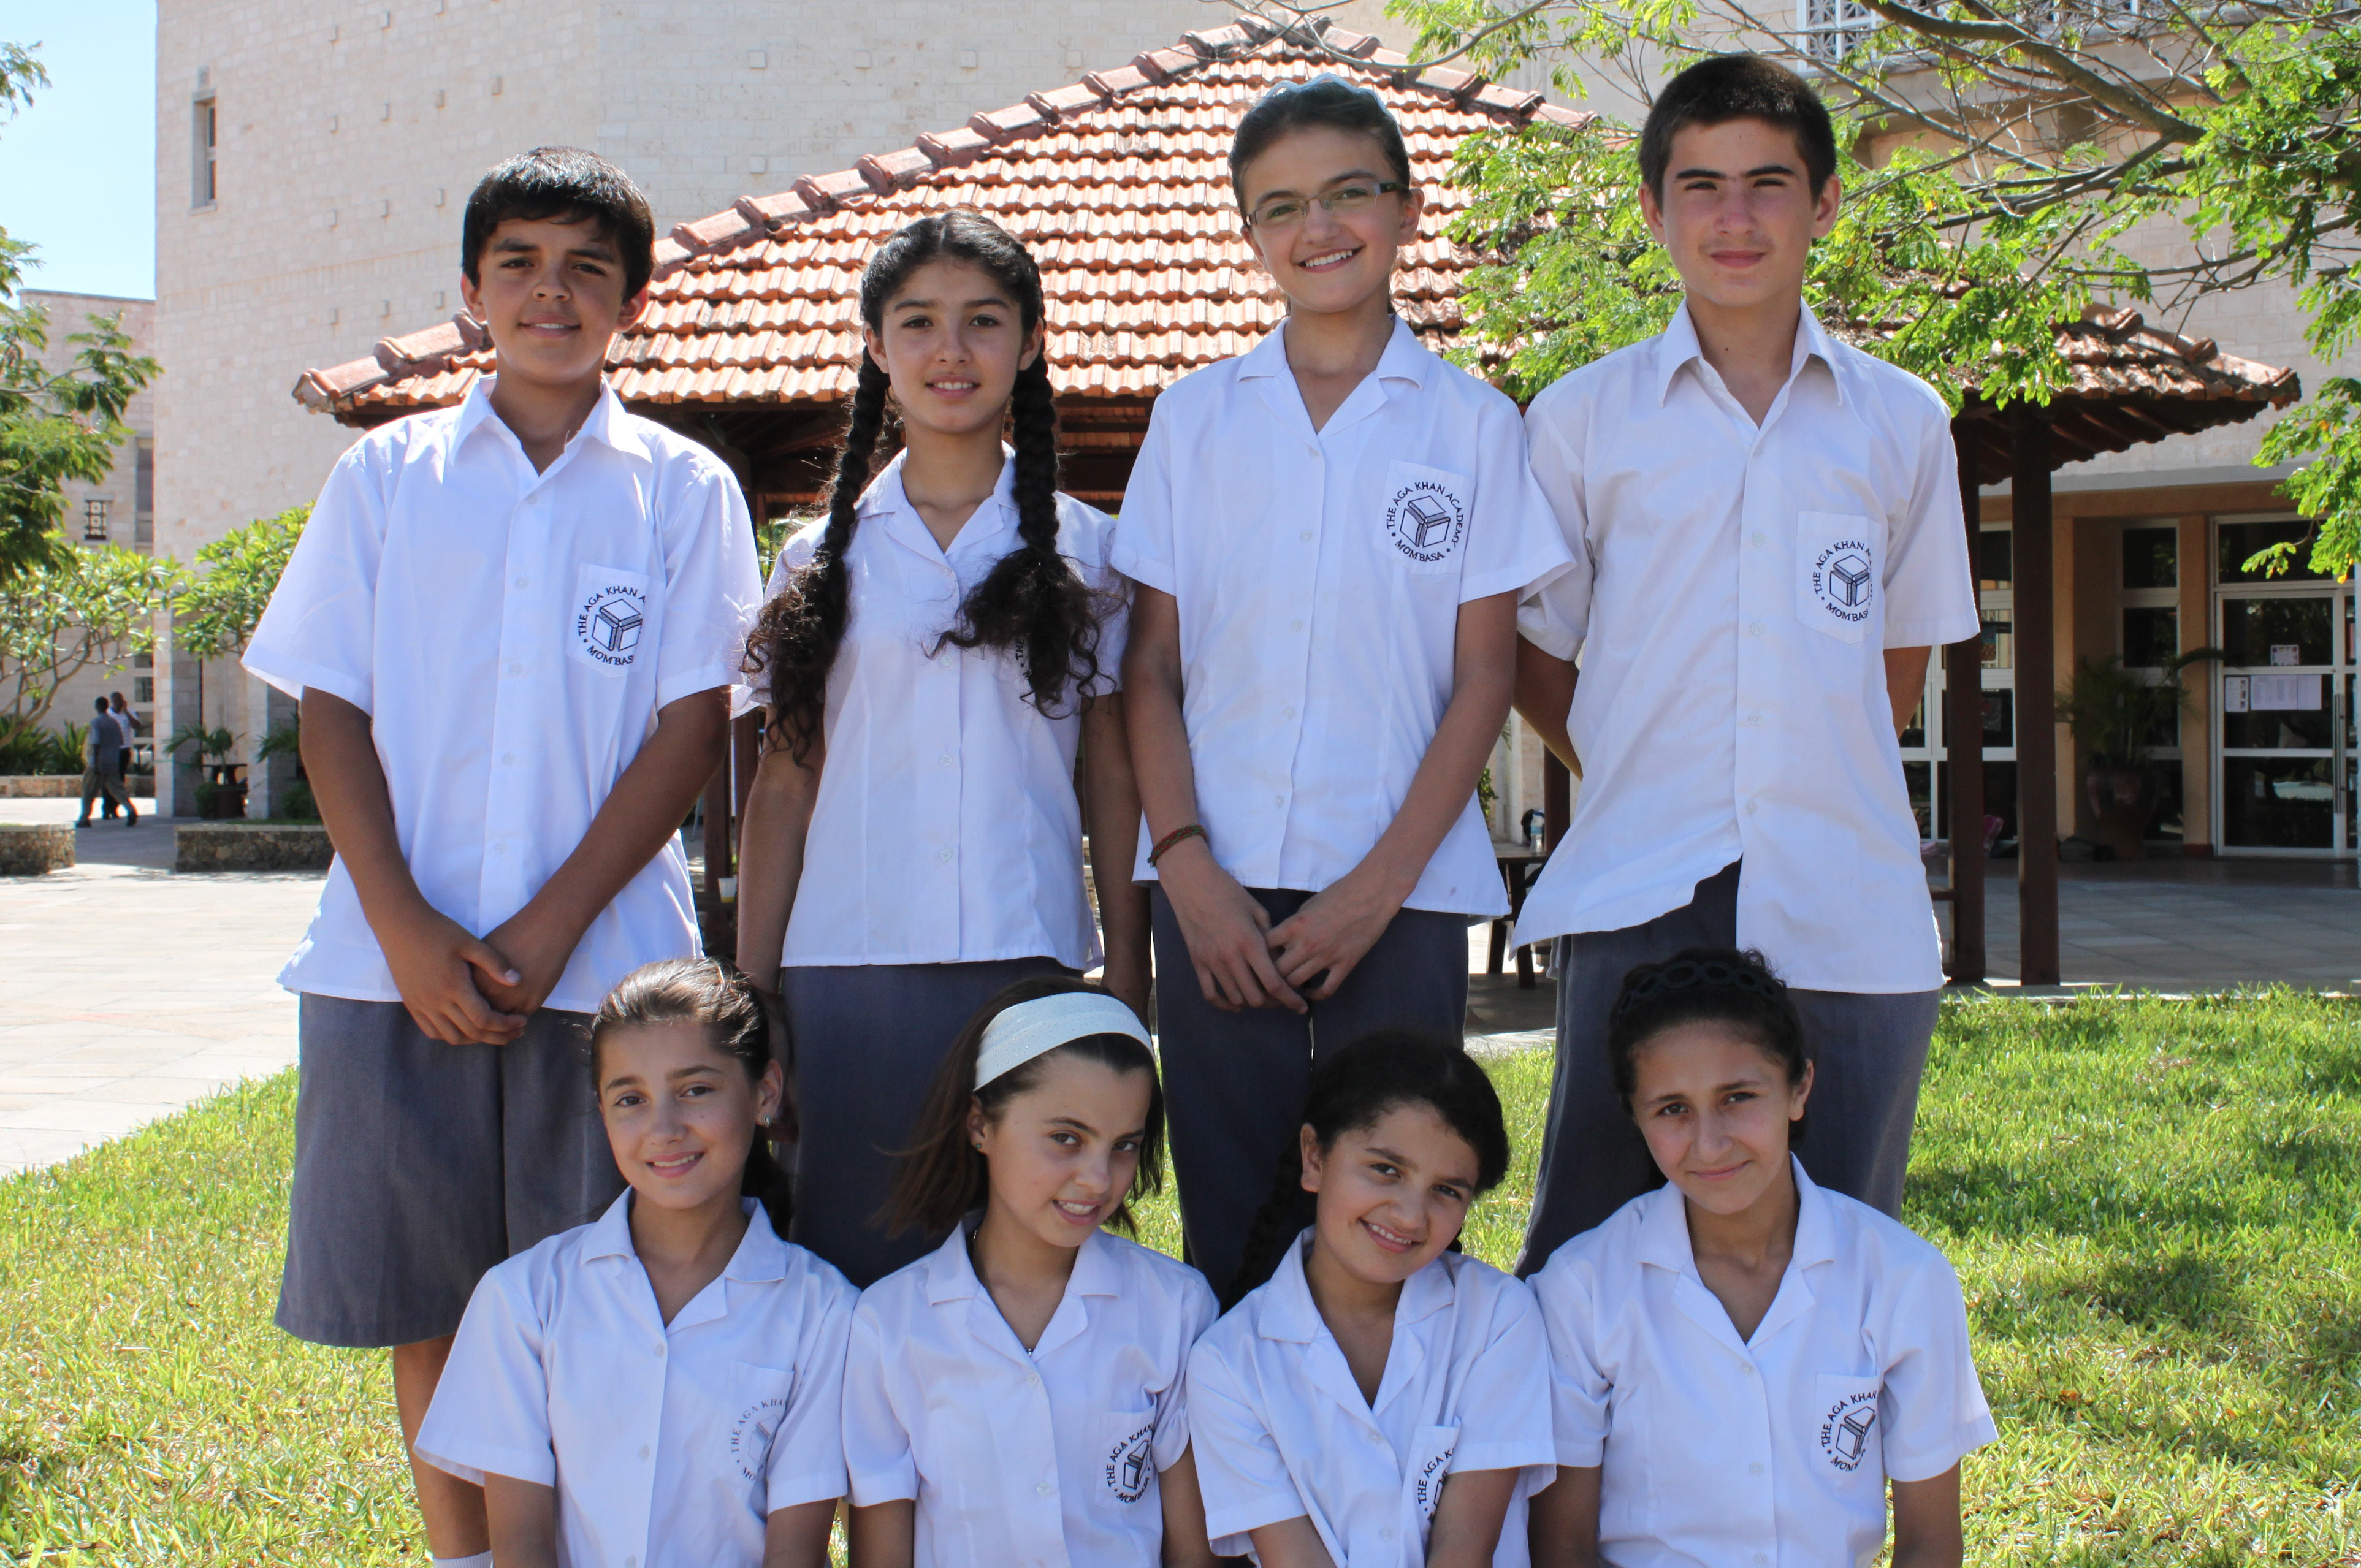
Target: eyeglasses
<point x="1284" y="212"/>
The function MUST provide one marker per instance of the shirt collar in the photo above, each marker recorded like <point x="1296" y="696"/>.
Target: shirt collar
<point x="1664" y="1227"/>
<point x="1678" y="345"/>
<point x="952" y="1277"/>
<point x="1287" y="1311"/>
<point x="1405" y="358"/>
<point x="761" y="1254"/>
<point x="605" y="423"/>
<point x="994" y="521"/>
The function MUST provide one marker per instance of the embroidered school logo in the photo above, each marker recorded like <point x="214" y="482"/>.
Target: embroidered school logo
<point x="1425" y="520"/>
<point x="749" y="1438"/>
<point x="1129" y="1465"/>
<point x="1845" y="1429"/>
<point x="1843" y="580"/>
<point x="608" y="625"/>
<point x="1427" y="1487"/>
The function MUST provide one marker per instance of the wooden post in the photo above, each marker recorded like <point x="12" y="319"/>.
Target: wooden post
<point x="2036" y="689"/>
<point x="1963" y="749"/>
<point x="1557" y="800"/>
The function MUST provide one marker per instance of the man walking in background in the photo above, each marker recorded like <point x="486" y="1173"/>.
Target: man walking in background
<point x="127" y="723"/>
<point x="101" y="767"/>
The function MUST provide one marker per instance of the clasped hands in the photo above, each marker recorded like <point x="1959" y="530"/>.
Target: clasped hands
<point x="1242" y="960"/>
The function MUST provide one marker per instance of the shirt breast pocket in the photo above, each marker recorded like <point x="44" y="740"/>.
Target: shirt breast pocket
<point x="606" y="618"/>
<point x="1430" y="1467"/>
<point x="1127" y="1456"/>
<point x="1843" y="1441"/>
<point x="756" y="1406"/>
<point x="1837" y="567"/>
<point x="1425" y="516"/>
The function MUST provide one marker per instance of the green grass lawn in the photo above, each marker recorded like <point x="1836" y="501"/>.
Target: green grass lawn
<point x="2156" y="1208"/>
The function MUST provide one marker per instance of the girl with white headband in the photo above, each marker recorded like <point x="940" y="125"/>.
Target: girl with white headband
<point x="1016" y="1395"/>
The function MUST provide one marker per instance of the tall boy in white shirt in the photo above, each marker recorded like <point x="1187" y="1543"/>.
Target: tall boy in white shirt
<point x="515" y="627"/>
<point x="1767" y="540"/>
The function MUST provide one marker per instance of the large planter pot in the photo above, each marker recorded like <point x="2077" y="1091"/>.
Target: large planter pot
<point x="2124" y="801"/>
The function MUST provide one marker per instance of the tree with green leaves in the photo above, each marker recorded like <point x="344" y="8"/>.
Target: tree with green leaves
<point x="2008" y="162"/>
<point x="54" y="425"/>
<point x="59" y="617"/>
<point x="216" y="608"/>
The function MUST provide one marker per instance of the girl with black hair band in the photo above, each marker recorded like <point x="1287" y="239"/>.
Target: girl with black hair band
<point x="1743" y="1323"/>
<point x="661" y="1386"/>
<point x="1328" y="538"/>
<point x="1382" y="1401"/>
<point x="1016" y="1396"/>
<point x="935" y="653"/>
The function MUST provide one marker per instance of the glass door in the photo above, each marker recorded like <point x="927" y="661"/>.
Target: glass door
<point x="2283" y="689"/>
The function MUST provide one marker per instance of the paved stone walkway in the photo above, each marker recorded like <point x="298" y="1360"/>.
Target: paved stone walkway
<point x="127" y="993"/>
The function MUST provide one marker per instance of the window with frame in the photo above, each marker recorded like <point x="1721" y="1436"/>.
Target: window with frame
<point x="93" y="518"/>
<point x="1832" y="29"/>
<point x="204" y="146"/>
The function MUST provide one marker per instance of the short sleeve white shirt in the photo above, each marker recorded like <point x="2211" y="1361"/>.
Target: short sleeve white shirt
<point x="670" y="1444"/>
<point x="1859" y="1373"/>
<point x="1282" y="1431"/>
<point x="511" y="635"/>
<point x="1733" y="591"/>
<point x="1318" y="576"/>
<point x="947" y="829"/>
<point x="1044" y="1459"/>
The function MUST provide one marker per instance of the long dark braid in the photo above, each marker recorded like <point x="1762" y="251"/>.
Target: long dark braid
<point x="1031" y="603"/>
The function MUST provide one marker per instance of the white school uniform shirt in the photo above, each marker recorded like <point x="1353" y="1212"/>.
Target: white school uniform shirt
<point x="1732" y="593"/>
<point x="1319" y="576"/>
<point x="669" y="1444"/>
<point x="1039" y="1459"/>
<point x="1282" y="1431"/>
<point x="947" y="829"/>
<point x="1859" y="1373"/>
<point x="511" y="636"/>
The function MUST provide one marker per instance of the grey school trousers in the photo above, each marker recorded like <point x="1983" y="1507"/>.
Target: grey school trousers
<point x="1235" y="1083"/>
<point x="1868" y="1051"/>
<point x="868" y="1039"/>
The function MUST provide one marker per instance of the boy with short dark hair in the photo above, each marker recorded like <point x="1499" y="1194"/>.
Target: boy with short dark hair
<point x="515" y="627"/>
<point x="1767" y="539"/>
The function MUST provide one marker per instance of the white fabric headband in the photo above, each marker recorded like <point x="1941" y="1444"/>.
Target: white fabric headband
<point x="1027" y="1030"/>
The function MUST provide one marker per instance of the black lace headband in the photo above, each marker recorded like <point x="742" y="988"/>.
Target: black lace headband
<point x="1690" y="974"/>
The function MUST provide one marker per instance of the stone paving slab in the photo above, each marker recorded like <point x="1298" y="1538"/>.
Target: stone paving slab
<point x="130" y="993"/>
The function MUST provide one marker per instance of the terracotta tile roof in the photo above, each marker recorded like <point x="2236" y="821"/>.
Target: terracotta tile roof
<point x="1119" y="184"/>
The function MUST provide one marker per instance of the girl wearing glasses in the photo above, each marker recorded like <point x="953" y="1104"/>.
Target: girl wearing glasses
<point x="1328" y="537"/>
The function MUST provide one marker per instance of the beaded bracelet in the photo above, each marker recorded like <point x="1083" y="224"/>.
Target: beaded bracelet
<point x="1191" y="831"/>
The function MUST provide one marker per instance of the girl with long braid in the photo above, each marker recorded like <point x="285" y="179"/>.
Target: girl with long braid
<point x="934" y="655"/>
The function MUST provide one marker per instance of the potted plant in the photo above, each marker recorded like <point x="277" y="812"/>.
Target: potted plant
<point x="2115" y="713"/>
<point x="296" y="804"/>
<point x="222" y="792"/>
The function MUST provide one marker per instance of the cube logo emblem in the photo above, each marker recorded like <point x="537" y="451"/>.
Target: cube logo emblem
<point x="1130" y="1463"/>
<point x="1848" y="1429"/>
<point x="1425" y="517"/>
<point x="608" y="622"/>
<point x="1842" y="578"/>
<point x="1849" y="579"/>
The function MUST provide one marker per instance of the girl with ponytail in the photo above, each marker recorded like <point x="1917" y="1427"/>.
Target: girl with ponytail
<point x="937" y="655"/>
<point x="723" y="1446"/>
<point x="1377" y="1399"/>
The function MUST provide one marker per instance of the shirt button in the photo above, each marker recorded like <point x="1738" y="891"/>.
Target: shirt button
<point x="949" y="855"/>
<point x="659" y="1352"/>
<point x="1385" y="1533"/>
<point x="521" y="582"/>
<point x="1758" y="536"/>
<point x="1032" y="1380"/>
<point x="1747" y="1366"/>
<point x="508" y="759"/>
<point x="946" y="758"/>
<point x="1295" y="626"/>
<point x="1044" y="1488"/>
<point x="634" y="1562"/>
<point x="1306" y="536"/>
<point x="500" y="847"/>
<point x="516" y="669"/>
<point x="1762" y="1557"/>
<point x="1287" y="713"/>
<point x="1753" y="1469"/>
<point x="1749" y="811"/>
<point x="1755" y="719"/>
<point x="1278" y="800"/>
<point x="1754" y="628"/>
<point x="643" y="1454"/>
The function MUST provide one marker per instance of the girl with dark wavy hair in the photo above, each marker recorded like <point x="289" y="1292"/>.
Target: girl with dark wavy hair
<point x="937" y="655"/>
